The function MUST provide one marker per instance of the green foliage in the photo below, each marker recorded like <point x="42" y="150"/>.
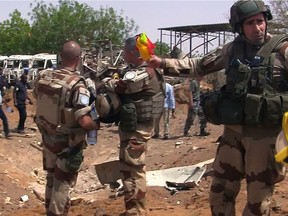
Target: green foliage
<point x="113" y="26"/>
<point x="14" y="35"/>
<point x="52" y="25"/>
<point x="162" y="49"/>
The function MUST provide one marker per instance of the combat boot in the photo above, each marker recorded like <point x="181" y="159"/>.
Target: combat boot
<point x="204" y="133"/>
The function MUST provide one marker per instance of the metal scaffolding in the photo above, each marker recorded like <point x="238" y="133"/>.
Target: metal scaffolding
<point x="196" y="37"/>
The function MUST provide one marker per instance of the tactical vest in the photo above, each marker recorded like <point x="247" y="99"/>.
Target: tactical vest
<point x="256" y="76"/>
<point x="150" y="105"/>
<point x="255" y="94"/>
<point x="55" y="113"/>
<point x="150" y="108"/>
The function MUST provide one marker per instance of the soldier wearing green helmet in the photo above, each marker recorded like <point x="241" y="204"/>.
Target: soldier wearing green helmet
<point x="244" y="9"/>
<point x="250" y="106"/>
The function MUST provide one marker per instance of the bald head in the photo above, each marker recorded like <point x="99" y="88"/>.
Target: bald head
<point x="70" y="52"/>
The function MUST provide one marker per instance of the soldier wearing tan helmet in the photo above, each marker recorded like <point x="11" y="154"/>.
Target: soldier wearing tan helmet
<point x="250" y="106"/>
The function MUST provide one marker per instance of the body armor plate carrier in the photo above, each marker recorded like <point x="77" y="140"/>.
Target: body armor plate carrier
<point x="252" y="96"/>
<point x="54" y="111"/>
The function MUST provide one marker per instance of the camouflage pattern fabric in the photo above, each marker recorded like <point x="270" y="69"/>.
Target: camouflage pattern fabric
<point x="238" y="157"/>
<point x="59" y="180"/>
<point x="60" y="133"/>
<point x="53" y="94"/>
<point x="140" y="92"/>
<point x="132" y="155"/>
<point x="196" y="110"/>
<point x="244" y="154"/>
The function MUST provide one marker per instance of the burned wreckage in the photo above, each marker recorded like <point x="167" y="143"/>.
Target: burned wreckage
<point x="101" y="60"/>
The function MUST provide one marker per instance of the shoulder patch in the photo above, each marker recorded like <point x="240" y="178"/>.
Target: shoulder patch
<point x="84" y="99"/>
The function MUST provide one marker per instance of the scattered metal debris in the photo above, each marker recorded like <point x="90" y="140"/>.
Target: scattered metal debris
<point x="178" y="178"/>
<point x="174" y="179"/>
<point x="24" y="198"/>
<point x="38" y="195"/>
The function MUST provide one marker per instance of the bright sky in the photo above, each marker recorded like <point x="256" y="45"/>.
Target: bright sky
<point x="148" y="15"/>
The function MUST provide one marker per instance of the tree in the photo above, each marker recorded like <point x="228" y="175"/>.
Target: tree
<point x="53" y="25"/>
<point x="113" y="26"/>
<point x="280" y="17"/>
<point x="15" y="35"/>
<point x="162" y="49"/>
<point x="70" y="20"/>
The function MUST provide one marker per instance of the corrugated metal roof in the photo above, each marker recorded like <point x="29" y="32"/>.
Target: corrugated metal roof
<point x="200" y="28"/>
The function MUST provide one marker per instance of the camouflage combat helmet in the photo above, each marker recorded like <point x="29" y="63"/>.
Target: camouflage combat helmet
<point x="243" y="9"/>
<point x="107" y="104"/>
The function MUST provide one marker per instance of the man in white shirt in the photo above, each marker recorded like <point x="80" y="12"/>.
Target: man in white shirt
<point x="169" y="105"/>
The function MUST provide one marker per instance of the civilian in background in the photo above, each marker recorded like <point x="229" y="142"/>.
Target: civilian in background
<point x="169" y="106"/>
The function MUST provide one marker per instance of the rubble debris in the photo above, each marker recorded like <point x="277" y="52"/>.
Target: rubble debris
<point x="38" y="195"/>
<point x="24" y="198"/>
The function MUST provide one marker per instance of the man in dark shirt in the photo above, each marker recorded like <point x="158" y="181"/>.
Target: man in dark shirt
<point x="2" y="113"/>
<point x="20" y="96"/>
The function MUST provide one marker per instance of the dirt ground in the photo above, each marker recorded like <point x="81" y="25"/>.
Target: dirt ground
<point x="21" y="173"/>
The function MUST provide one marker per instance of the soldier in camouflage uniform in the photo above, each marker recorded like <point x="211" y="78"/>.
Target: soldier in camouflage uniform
<point x="142" y="96"/>
<point x="63" y="118"/>
<point x="195" y="109"/>
<point x="250" y="106"/>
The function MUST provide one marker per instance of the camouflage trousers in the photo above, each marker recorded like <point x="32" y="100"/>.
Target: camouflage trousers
<point x="245" y="152"/>
<point x="196" y="110"/>
<point x="133" y="146"/>
<point x="166" y="121"/>
<point x="58" y="179"/>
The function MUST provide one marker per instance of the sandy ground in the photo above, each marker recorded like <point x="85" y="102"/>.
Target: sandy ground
<point x="21" y="173"/>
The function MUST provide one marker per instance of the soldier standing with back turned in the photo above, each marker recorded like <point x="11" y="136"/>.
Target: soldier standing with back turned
<point x="63" y="118"/>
